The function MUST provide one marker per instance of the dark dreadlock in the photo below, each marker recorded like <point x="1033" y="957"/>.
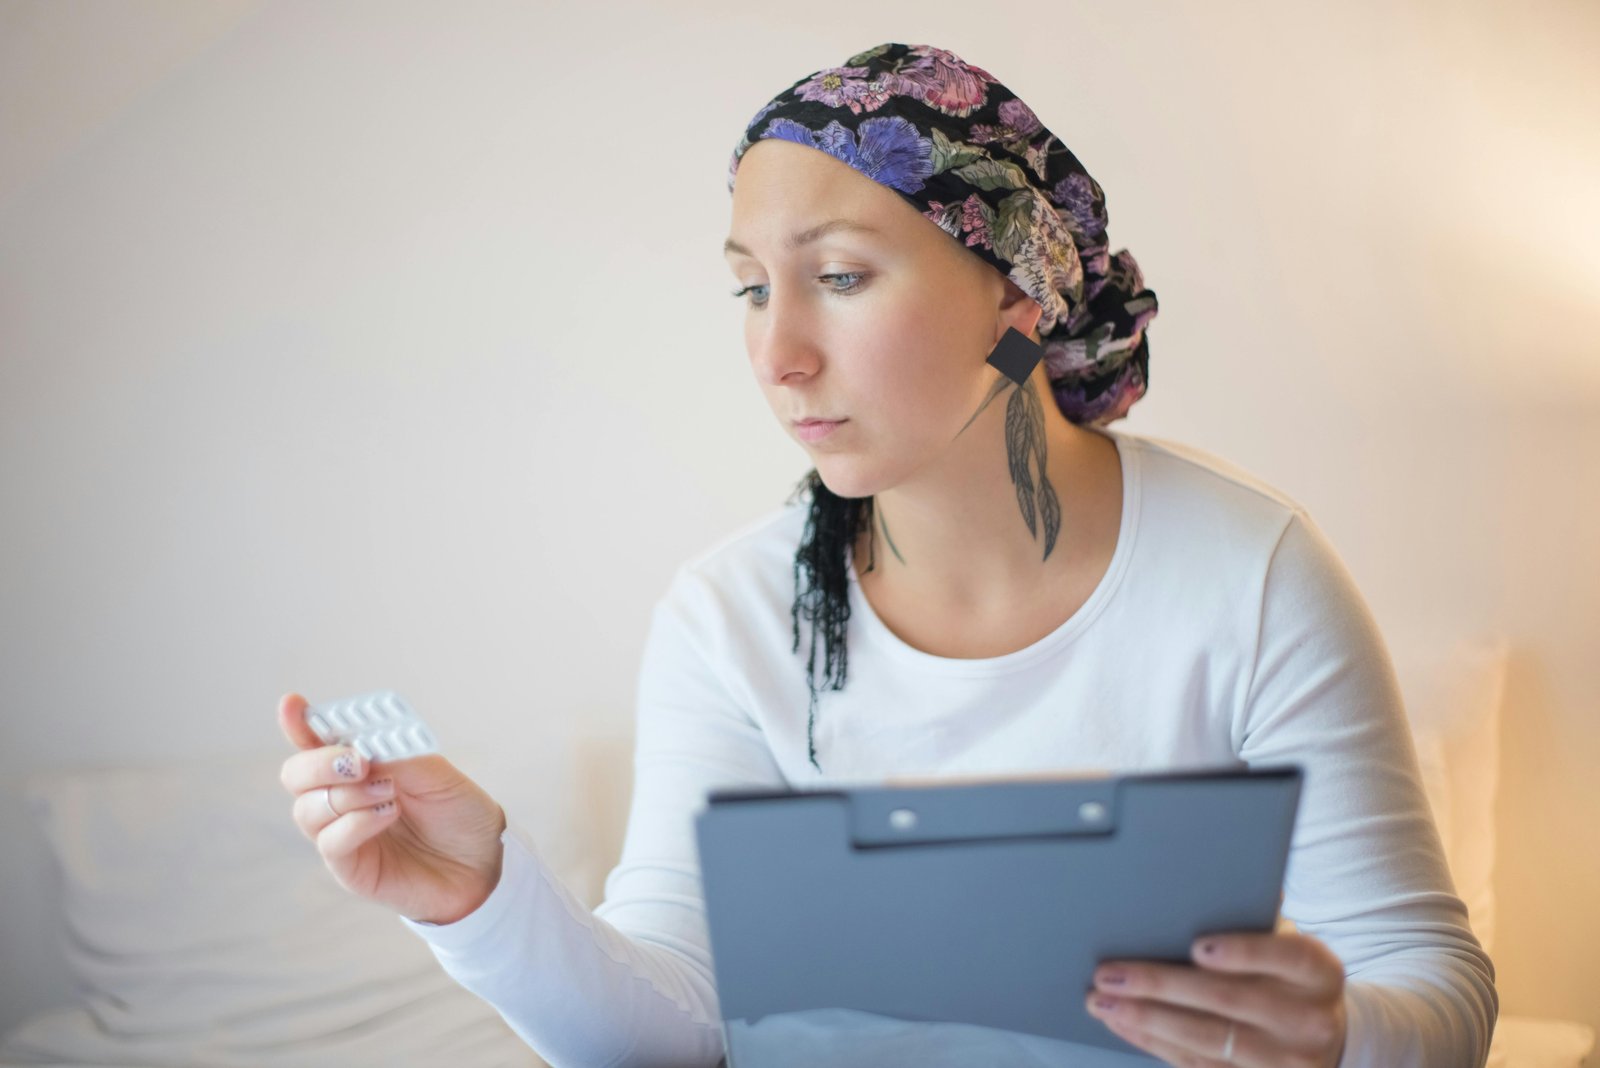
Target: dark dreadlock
<point x="832" y="526"/>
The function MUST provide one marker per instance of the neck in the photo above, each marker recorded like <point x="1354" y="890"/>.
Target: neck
<point x="955" y="538"/>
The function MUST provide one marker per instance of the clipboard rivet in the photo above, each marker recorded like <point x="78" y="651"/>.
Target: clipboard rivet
<point x="902" y="819"/>
<point x="1091" y="812"/>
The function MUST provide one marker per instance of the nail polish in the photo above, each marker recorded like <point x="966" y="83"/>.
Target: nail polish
<point x="348" y="765"/>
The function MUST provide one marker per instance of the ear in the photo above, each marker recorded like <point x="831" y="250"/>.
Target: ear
<point x="1019" y="310"/>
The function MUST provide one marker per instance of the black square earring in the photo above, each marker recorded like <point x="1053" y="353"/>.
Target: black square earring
<point x="1015" y="355"/>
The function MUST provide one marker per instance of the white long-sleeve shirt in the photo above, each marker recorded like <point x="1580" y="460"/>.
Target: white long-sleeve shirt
<point x="1226" y="630"/>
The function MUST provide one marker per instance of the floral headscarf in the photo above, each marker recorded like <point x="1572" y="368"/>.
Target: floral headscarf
<point x="975" y="160"/>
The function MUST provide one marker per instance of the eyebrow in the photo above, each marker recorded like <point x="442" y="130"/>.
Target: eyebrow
<point x="805" y="237"/>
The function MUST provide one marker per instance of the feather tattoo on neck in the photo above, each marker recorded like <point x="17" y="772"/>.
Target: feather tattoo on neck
<point x="1015" y="357"/>
<point x="1025" y="448"/>
<point x="884" y="523"/>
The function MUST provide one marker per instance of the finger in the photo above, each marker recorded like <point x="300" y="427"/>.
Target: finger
<point x="343" y="836"/>
<point x="1291" y="1015"/>
<point x="1179" y="1036"/>
<point x="1173" y="1054"/>
<point x="331" y="765"/>
<point x="292" y="721"/>
<point x="1291" y="956"/>
<point x="315" y="809"/>
<point x="1259" y="1000"/>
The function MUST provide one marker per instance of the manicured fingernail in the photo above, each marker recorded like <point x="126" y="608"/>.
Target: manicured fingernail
<point x="384" y="809"/>
<point x="380" y="787"/>
<point x="1111" y="977"/>
<point x="1208" y="948"/>
<point x="348" y="765"/>
<point x="1101" y="1003"/>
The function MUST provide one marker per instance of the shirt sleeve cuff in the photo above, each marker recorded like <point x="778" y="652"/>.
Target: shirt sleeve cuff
<point x="517" y="867"/>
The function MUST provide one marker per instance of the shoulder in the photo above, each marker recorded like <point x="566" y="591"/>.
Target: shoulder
<point x="1206" y="503"/>
<point x="1208" y="515"/>
<point x="747" y="573"/>
<point x="1179" y="465"/>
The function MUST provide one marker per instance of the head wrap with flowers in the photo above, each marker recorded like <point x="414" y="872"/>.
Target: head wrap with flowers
<point x="977" y="162"/>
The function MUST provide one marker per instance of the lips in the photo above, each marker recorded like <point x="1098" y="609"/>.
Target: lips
<point x="812" y="430"/>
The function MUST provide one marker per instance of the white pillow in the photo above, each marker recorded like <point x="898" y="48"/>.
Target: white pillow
<point x="1453" y="694"/>
<point x="1529" y="1042"/>
<point x="570" y="787"/>
<point x="204" y="929"/>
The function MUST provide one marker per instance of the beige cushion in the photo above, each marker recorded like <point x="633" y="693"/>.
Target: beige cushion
<point x="204" y="929"/>
<point x="1530" y="1042"/>
<point x="1453" y="694"/>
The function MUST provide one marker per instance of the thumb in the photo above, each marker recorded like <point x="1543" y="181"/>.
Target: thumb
<point x="292" y="719"/>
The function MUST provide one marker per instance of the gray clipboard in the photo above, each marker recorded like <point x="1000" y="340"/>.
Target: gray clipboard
<point x="904" y="924"/>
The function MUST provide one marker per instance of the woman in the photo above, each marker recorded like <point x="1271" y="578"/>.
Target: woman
<point x="1020" y="588"/>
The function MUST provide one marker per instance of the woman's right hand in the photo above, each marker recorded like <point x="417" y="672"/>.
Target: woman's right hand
<point x="425" y="842"/>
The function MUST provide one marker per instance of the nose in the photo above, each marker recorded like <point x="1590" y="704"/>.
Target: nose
<point x="782" y="342"/>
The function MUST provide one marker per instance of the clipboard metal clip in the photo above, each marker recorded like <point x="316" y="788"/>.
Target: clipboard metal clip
<point x="990" y="812"/>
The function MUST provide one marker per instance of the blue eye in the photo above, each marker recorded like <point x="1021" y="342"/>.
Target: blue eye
<point x="851" y="288"/>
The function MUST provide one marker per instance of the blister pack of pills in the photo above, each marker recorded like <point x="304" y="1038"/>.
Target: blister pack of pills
<point x="378" y="725"/>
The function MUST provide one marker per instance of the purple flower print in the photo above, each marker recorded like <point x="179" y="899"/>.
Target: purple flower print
<point x="889" y="150"/>
<point x="1017" y="124"/>
<point x="1113" y="359"/>
<point x="942" y="80"/>
<point x="895" y="153"/>
<point x="838" y="141"/>
<point x="1096" y="261"/>
<point x="970" y="216"/>
<point x="1020" y="117"/>
<point x="975" y="221"/>
<point x="1084" y="199"/>
<point x="789" y="130"/>
<point x="846" y="87"/>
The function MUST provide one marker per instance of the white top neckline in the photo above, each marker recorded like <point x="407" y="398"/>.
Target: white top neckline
<point x="878" y="632"/>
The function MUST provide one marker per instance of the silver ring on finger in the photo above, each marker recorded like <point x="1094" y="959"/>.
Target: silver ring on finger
<point x="327" y="799"/>
<point x="1227" y="1047"/>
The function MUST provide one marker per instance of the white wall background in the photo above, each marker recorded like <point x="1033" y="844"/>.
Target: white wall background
<point x="355" y="345"/>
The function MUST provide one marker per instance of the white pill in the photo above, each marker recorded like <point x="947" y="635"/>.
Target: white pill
<point x="378" y="725"/>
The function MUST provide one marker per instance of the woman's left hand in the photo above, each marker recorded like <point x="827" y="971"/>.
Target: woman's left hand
<point x="1283" y="993"/>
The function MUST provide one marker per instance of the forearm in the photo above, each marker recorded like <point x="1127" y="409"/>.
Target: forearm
<point x="578" y="990"/>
